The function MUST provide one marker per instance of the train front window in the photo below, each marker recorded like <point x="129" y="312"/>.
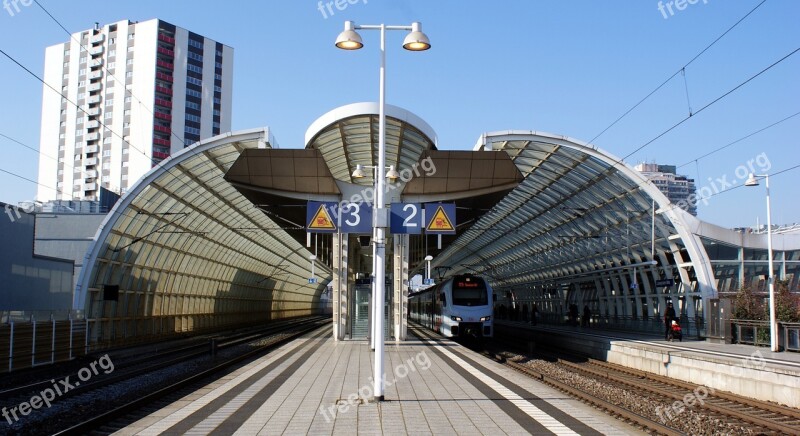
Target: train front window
<point x="469" y="294"/>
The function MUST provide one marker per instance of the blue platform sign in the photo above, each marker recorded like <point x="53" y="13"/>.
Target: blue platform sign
<point x="406" y="218"/>
<point x="355" y="218"/>
<point x="440" y="218"/>
<point x="332" y="217"/>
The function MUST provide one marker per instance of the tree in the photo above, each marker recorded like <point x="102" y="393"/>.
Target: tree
<point x="787" y="305"/>
<point x="746" y="305"/>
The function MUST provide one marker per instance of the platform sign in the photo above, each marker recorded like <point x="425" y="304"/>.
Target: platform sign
<point x="440" y="218"/>
<point x="665" y="282"/>
<point x="320" y="217"/>
<point x="332" y="217"/>
<point x="406" y="218"/>
<point x="312" y="280"/>
<point x="355" y="218"/>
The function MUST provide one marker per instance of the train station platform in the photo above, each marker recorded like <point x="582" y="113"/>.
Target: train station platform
<point x="746" y="370"/>
<point x="316" y="385"/>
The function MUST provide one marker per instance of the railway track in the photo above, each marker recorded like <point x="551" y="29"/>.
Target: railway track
<point x="767" y="417"/>
<point x="676" y="396"/>
<point x="78" y="411"/>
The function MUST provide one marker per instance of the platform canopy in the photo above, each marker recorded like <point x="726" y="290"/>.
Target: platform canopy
<point x="582" y="227"/>
<point x="184" y="250"/>
<point x="347" y="136"/>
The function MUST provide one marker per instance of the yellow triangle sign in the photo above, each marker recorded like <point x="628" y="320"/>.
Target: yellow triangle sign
<point x="321" y="220"/>
<point x="440" y="222"/>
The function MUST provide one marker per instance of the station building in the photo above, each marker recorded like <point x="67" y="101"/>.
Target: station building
<point x="216" y="235"/>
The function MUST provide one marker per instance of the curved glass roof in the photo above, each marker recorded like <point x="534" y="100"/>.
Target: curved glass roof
<point x="183" y="242"/>
<point x="578" y="212"/>
<point x="349" y="135"/>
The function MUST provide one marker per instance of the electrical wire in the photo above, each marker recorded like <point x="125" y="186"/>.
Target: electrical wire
<point x="710" y="104"/>
<point x="676" y="73"/>
<point x="739" y="140"/>
<point x="127" y="91"/>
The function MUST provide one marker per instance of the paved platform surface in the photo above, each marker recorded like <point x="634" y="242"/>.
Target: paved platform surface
<point x="786" y="358"/>
<point x="314" y="386"/>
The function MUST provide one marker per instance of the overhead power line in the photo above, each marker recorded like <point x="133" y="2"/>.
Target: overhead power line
<point x="711" y="103"/>
<point x="739" y="140"/>
<point x="679" y="71"/>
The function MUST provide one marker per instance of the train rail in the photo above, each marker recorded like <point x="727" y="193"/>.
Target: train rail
<point x="720" y="409"/>
<point x="107" y="397"/>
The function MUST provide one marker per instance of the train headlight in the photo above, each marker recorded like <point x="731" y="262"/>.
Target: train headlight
<point x="455" y="318"/>
<point x="486" y="318"/>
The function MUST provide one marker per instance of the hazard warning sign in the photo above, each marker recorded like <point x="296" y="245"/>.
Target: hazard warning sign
<point x="440" y="218"/>
<point x="318" y="218"/>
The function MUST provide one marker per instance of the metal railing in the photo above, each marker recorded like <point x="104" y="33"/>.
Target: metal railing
<point x="691" y="328"/>
<point x="791" y="336"/>
<point x="751" y="332"/>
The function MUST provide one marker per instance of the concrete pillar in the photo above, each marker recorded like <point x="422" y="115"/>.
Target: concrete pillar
<point x="400" y="287"/>
<point x="340" y="284"/>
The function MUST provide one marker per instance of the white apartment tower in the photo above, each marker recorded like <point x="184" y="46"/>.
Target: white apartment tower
<point x="146" y="90"/>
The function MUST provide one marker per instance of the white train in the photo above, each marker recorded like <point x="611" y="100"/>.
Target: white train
<point x="459" y="307"/>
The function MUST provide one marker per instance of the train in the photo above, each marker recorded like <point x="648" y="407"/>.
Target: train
<point x="459" y="307"/>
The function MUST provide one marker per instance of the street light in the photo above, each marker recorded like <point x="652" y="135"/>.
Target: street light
<point x="359" y="173"/>
<point x="349" y="39"/>
<point x="773" y="323"/>
<point x="428" y="259"/>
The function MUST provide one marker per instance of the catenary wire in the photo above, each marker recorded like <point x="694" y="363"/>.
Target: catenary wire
<point x="632" y="108"/>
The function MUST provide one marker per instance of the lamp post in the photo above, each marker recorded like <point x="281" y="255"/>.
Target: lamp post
<point x="349" y="39"/>
<point x="392" y="175"/>
<point x="773" y="323"/>
<point x="428" y="259"/>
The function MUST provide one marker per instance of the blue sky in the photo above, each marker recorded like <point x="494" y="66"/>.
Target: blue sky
<point x="565" y="67"/>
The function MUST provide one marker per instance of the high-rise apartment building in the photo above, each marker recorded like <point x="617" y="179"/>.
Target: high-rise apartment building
<point x="146" y="89"/>
<point x="679" y="189"/>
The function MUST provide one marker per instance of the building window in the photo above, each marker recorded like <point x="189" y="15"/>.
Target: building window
<point x="109" y="115"/>
<point x="109" y="102"/>
<point x="66" y="52"/>
<point x="130" y="35"/>
<point x="195" y="68"/>
<point x="194" y="81"/>
<point x="128" y="99"/>
<point x="66" y="76"/>
<point x="112" y="65"/>
<point x="82" y="72"/>
<point x="130" y="62"/>
<point x="195" y="56"/>
<point x="129" y="74"/>
<point x="192" y="105"/>
<point x="112" y="40"/>
<point x="112" y="53"/>
<point x="130" y="49"/>
<point x="195" y="43"/>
